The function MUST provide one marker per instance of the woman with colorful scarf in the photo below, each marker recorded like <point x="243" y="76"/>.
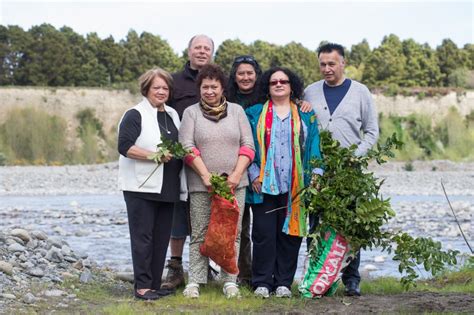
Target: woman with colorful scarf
<point x="219" y="135"/>
<point x="286" y="140"/>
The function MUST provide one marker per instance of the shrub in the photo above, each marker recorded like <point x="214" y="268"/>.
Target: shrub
<point x="34" y="135"/>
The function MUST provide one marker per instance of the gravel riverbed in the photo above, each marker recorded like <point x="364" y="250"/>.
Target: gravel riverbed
<point x="79" y="209"/>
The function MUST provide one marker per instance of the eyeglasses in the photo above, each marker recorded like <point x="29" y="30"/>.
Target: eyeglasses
<point x="244" y="59"/>
<point x="282" y="82"/>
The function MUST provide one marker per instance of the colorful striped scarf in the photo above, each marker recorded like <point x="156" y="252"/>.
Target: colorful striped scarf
<point x="295" y="222"/>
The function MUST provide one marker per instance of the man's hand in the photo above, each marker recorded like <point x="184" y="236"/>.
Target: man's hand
<point x="305" y="106"/>
<point x="315" y="181"/>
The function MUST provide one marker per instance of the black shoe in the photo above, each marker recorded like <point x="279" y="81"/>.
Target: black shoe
<point x="352" y="289"/>
<point x="164" y="292"/>
<point x="147" y="296"/>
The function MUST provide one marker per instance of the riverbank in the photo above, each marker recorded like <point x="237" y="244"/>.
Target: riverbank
<point x="423" y="179"/>
<point x="81" y="206"/>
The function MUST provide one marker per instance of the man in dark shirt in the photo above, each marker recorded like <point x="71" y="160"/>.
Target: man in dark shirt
<point x="185" y="94"/>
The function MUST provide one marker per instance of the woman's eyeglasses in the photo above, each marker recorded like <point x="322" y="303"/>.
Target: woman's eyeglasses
<point x="282" y="82"/>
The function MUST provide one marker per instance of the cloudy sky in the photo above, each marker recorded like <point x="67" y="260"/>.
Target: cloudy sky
<point x="279" y="22"/>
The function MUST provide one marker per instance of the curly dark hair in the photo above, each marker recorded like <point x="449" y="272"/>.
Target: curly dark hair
<point x="232" y="87"/>
<point x="211" y="71"/>
<point x="296" y="83"/>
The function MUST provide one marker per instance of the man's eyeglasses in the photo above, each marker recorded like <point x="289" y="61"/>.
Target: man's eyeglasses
<point x="244" y="59"/>
<point x="282" y="82"/>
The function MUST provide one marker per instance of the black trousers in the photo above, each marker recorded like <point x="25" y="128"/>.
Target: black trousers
<point x="275" y="254"/>
<point x="245" y="253"/>
<point x="149" y="222"/>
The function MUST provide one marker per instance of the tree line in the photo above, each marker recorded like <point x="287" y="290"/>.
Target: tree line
<point x="46" y="56"/>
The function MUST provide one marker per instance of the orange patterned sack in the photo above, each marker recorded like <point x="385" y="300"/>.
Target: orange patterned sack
<point x="219" y="243"/>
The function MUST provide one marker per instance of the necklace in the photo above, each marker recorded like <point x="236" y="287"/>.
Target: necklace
<point x="166" y="124"/>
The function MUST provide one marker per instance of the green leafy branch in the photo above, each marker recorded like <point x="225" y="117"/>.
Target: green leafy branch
<point x="220" y="187"/>
<point x="348" y="201"/>
<point x="165" y="148"/>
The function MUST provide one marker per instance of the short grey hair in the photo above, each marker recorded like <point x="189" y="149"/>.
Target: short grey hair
<point x="201" y="35"/>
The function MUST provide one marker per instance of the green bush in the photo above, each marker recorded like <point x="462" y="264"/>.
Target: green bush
<point x="451" y="138"/>
<point x="33" y="135"/>
<point x="90" y="131"/>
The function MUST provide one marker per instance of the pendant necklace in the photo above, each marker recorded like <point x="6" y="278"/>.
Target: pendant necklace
<point x="166" y="124"/>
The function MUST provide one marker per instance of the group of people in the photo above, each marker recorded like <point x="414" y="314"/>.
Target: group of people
<point x="258" y="127"/>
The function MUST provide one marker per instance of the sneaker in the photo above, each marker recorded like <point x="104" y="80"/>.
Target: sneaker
<point x="231" y="290"/>
<point x="282" y="292"/>
<point x="262" y="292"/>
<point x="175" y="276"/>
<point x="191" y="291"/>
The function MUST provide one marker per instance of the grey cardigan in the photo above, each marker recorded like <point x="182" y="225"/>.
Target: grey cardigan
<point x="218" y="142"/>
<point x="355" y="119"/>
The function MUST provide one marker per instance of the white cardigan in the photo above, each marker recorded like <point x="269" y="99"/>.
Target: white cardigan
<point x="132" y="173"/>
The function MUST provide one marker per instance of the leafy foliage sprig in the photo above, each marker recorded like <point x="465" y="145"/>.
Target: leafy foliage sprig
<point x="166" y="147"/>
<point x="220" y="187"/>
<point x="348" y="201"/>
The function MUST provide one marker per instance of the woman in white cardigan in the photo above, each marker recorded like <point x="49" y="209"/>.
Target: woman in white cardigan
<point x="150" y="206"/>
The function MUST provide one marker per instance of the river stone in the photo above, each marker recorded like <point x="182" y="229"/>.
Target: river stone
<point x="6" y="268"/>
<point x="54" y="255"/>
<point x="29" y="298"/>
<point x="8" y="296"/>
<point x="27" y="265"/>
<point x="22" y="257"/>
<point x="65" y="250"/>
<point x="23" y="234"/>
<point x="82" y="232"/>
<point x="39" y="235"/>
<point x="370" y="267"/>
<point x="55" y="241"/>
<point x="70" y="259"/>
<point x="86" y="263"/>
<point x="80" y="254"/>
<point x="16" y="248"/>
<point x="60" y="231"/>
<point x="35" y="272"/>
<point x="32" y="244"/>
<point x="54" y="293"/>
<point x="78" y="265"/>
<point x="42" y="252"/>
<point x="86" y="276"/>
<point x="124" y="276"/>
<point x="15" y="240"/>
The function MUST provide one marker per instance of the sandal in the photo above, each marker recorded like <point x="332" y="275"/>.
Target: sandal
<point x="191" y="291"/>
<point x="231" y="290"/>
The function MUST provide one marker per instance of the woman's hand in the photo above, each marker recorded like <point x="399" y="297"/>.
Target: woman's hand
<point x="257" y="186"/>
<point x="166" y="158"/>
<point x="305" y="106"/>
<point x="233" y="180"/>
<point x="206" y="180"/>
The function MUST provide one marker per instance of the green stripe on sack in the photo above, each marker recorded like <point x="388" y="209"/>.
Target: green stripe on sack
<point x="316" y="263"/>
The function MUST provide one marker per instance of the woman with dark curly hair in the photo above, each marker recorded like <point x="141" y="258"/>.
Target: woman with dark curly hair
<point x="219" y="135"/>
<point x="286" y="139"/>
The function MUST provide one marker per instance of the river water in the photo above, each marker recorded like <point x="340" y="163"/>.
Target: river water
<point x="97" y="225"/>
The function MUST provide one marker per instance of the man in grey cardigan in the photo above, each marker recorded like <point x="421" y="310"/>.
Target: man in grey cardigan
<point x="345" y="108"/>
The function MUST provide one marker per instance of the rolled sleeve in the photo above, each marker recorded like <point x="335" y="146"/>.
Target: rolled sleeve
<point x="253" y="172"/>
